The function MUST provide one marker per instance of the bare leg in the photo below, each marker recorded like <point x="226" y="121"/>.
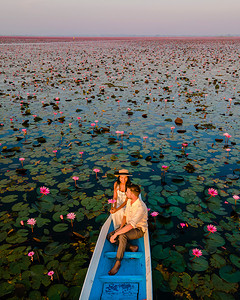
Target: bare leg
<point x="115" y="268"/>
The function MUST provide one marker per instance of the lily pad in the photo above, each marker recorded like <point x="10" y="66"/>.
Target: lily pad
<point x="235" y="260"/>
<point x="199" y="264"/>
<point x="159" y="253"/>
<point x="217" y="261"/>
<point x="60" y="227"/>
<point x="9" y="198"/>
<point x="229" y="274"/>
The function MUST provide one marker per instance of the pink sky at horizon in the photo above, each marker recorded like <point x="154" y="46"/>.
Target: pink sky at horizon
<point x="120" y="17"/>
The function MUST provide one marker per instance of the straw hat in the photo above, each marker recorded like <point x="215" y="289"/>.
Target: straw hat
<point x="122" y="172"/>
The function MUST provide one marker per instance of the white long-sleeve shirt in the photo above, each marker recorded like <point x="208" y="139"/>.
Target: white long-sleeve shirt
<point x="136" y="214"/>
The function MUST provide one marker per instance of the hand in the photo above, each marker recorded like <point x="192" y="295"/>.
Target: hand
<point x="112" y="238"/>
<point x="113" y="210"/>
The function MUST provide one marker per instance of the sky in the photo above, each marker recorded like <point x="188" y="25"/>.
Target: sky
<point x="119" y="17"/>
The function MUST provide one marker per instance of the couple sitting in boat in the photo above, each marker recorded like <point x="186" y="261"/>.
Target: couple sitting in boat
<point x="129" y="214"/>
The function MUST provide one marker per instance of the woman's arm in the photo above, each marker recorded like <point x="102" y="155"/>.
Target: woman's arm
<point x="122" y="205"/>
<point x="114" y="205"/>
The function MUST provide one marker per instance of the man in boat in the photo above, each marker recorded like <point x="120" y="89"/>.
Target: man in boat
<point x="134" y="224"/>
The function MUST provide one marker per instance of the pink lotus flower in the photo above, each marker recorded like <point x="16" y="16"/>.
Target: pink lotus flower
<point x="145" y="137"/>
<point x="212" y="192"/>
<point x="173" y="127"/>
<point x="111" y="201"/>
<point x="165" y="167"/>
<point x="79" y="118"/>
<point x="71" y="216"/>
<point x="96" y="171"/>
<point x="30" y="254"/>
<point x="70" y="124"/>
<point x="182" y="225"/>
<point x="50" y="273"/>
<point x="211" y="228"/>
<point x="196" y="252"/>
<point x="44" y="190"/>
<point x="184" y="145"/>
<point x="21" y="159"/>
<point x="154" y="214"/>
<point x="22" y="223"/>
<point x="93" y="124"/>
<point x="55" y="151"/>
<point x="236" y="197"/>
<point x="31" y="222"/>
<point x="149" y="209"/>
<point x="61" y="217"/>
<point x="75" y="178"/>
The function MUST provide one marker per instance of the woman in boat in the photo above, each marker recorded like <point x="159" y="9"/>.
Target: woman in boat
<point x="119" y="195"/>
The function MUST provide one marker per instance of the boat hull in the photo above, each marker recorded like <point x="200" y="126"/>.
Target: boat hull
<point x="132" y="282"/>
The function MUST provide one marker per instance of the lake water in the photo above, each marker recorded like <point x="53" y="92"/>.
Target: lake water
<point x="73" y="96"/>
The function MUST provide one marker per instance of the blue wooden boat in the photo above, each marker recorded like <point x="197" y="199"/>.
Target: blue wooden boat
<point x="132" y="282"/>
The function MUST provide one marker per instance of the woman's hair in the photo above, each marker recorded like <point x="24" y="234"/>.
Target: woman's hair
<point x="128" y="183"/>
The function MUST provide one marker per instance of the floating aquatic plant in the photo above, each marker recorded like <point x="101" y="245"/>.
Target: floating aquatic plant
<point x="71" y="216"/>
<point x="31" y="222"/>
<point x="197" y="253"/>
<point x="50" y="273"/>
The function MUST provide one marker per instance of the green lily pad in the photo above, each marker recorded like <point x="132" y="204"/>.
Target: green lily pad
<point x="187" y="282"/>
<point x="188" y="194"/>
<point x="213" y="241"/>
<point x="222" y="285"/>
<point x="199" y="264"/>
<point x="20" y="206"/>
<point x="171" y="188"/>
<point x="36" y="295"/>
<point x="174" y="211"/>
<point x="53" y="248"/>
<point x="217" y="261"/>
<point x="159" y="253"/>
<point x="206" y="217"/>
<point x="217" y="295"/>
<point x="176" y="261"/>
<point x="3" y="235"/>
<point x="9" y="199"/>
<point x="6" y="288"/>
<point x="16" y="238"/>
<point x="235" y="260"/>
<point x="227" y="273"/>
<point x="60" y="227"/>
<point x="175" y="200"/>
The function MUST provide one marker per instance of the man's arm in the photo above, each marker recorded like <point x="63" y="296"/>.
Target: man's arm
<point x="121" y="230"/>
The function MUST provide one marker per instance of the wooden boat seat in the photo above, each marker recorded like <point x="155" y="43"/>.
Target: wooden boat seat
<point x="126" y="255"/>
<point x="122" y="278"/>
